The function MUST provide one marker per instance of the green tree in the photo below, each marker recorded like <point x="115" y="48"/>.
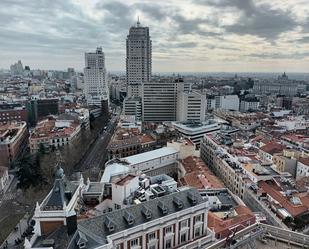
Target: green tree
<point x="29" y="171"/>
<point x="41" y="149"/>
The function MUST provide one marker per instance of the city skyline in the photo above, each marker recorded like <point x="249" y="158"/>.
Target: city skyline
<point x="188" y="36"/>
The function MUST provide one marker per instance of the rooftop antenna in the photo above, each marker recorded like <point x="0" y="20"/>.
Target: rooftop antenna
<point x="138" y="23"/>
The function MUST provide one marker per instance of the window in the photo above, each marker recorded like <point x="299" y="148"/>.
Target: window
<point x="152" y="236"/>
<point x="134" y="242"/>
<point x="168" y="244"/>
<point x="197" y="232"/>
<point x="183" y="224"/>
<point x="183" y="237"/>
<point x="169" y="229"/>
<point x="198" y="218"/>
<point x="152" y="247"/>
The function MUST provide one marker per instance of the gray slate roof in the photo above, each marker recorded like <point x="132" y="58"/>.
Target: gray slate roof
<point x="58" y="197"/>
<point x="97" y="225"/>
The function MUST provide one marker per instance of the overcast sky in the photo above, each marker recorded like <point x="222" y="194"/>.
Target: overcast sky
<point x="191" y="36"/>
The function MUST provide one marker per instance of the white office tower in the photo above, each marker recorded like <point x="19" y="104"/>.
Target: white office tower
<point x="159" y="100"/>
<point x="191" y="106"/>
<point x="95" y="86"/>
<point x="138" y="61"/>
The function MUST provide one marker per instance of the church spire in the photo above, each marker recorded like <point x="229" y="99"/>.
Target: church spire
<point x="138" y="23"/>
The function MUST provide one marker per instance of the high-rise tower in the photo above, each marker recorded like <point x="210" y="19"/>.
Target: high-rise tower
<point x="96" y="89"/>
<point x="138" y="61"/>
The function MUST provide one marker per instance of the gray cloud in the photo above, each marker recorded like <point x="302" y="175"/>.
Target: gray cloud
<point x="297" y="55"/>
<point x="44" y="29"/>
<point x="259" y="20"/>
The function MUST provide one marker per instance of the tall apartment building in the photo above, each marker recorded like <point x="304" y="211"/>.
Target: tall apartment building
<point x="159" y="100"/>
<point x="138" y="61"/>
<point x="95" y="87"/>
<point x="191" y="106"/>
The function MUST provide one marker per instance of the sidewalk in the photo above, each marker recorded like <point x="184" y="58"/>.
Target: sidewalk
<point x="14" y="235"/>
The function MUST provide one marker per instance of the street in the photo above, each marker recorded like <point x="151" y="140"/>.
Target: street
<point x="96" y="155"/>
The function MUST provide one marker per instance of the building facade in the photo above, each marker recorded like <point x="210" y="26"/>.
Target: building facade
<point x="139" y="59"/>
<point x="13" y="141"/>
<point x="191" y="106"/>
<point x="177" y="220"/>
<point x="95" y="86"/>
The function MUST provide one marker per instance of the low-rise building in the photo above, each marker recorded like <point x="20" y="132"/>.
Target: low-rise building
<point x="155" y="162"/>
<point x="53" y="133"/>
<point x="127" y="142"/>
<point x="227" y="214"/>
<point x="195" y="131"/>
<point x="13" y="141"/>
<point x="13" y="112"/>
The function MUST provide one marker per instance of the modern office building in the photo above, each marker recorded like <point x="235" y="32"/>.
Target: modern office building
<point x="138" y="61"/>
<point x="191" y="106"/>
<point x="160" y="100"/>
<point x="95" y="87"/>
<point x="195" y="131"/>
<point x="133" y="106"/>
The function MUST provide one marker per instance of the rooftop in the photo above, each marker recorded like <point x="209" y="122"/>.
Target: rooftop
<point x="150" y="155"/>
<point x="101" y="226"/>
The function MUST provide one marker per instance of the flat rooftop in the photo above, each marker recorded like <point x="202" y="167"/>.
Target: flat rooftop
<point x="150" y="155"/>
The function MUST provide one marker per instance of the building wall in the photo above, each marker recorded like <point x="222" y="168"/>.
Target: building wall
<point x="95" y="86"/>
<point x="159" y="101"/>
<point x="302" y="170"/>
<point x="9" y="151"/>
<point x="191" y="106"/>
<point x="139" y="57"/>
<point x="168" y="230"/>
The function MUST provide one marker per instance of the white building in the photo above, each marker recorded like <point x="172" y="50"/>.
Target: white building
<point x="155" y="162"/>
<point x="226" y="102"/>
<point x="302" y="167"/>
<point x="177" y="220"/>
<point x="133" y="106"/>
<point x="191" y="106"/>
<point x="195" y="131"/>
<point x="249" y="104"/>
<point x="95" y="85"/>
<point x="138" y="61"/>
<point x="160" y="100"/>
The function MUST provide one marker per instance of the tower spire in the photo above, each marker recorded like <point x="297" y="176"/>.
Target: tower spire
<point x="138" y="23"/>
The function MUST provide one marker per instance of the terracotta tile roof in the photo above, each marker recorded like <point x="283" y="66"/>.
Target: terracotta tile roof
<point x="243" y="214"/>
<point x="304" y="160"/>
<point x="284" y="202"/>
<point x="198" y="174"/>
<point x="272" y="148"/>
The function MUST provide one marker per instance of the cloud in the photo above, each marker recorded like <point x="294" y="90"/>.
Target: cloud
<point x="42" y="31"/>
<point x="258" y="20"/>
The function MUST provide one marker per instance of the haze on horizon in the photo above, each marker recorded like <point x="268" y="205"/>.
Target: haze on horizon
<point x="187" y="36"/>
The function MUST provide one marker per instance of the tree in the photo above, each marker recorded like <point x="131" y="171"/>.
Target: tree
<point x="41" y="149"/>
<point x="29" y="172"/>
